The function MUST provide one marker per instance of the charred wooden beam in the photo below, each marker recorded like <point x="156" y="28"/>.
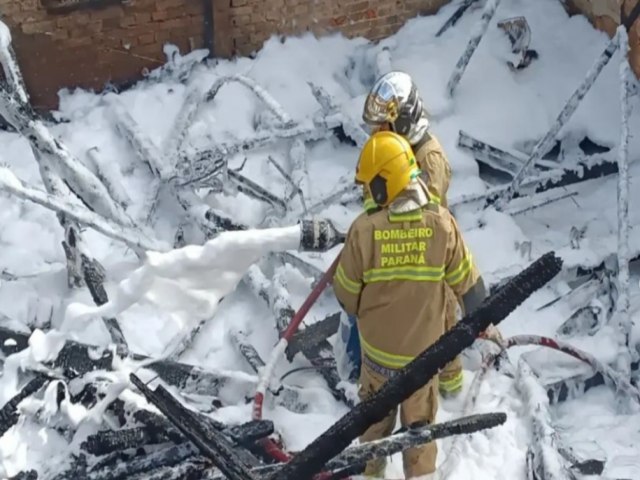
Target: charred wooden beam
<point x="420" y="371"/>
<point x="167" y="457"/>
<point x="269" y="291"/>
<point x="76" y="359"/>
<point x="572" y="387"/>
<point x="497" y="158"/>
<point x="313" y="335"/>
<point x="478" y="32"/>
<point x="94" y="280"/>
<point x="9" y="412"/>
<point x="352" y="459"/>
<point x="321" y="357"/>
<point x="25" y="475"/>
<point x="109" y="441"/>
<point x="250" y="354"/>
<point x="453" y="19"/>
<point x="213" y="444"/>
<point x="414" y="437"/>
<point x="252" y="189"/>
<point x="589" y="169"/>
<point x="197" y="468"/>
<point x="567" y="111"/>
<point x="545" y="461"/>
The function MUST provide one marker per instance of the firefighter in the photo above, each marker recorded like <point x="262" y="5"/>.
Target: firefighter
<point x="394" y="103"/>
<point x="397" y="263"/>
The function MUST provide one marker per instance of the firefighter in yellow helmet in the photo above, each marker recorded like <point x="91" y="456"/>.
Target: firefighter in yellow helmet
<point x="394" y="103"/>
<point x="394" y="271"/>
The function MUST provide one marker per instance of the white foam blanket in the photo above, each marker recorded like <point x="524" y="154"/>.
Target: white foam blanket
<point x="187" y="283"/>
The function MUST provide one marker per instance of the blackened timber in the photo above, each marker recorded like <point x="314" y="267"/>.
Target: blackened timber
<point x="250" y="354"/>
<point x="414" y="437"/>
<point x="420" y="371"/>
<point x="93" y="274"/>
<point x="9" y="412"/>
<point x="76" y="359"/>
<point x="168" y="457"/>
<point x="157" y="429"/>
<point x="222" y="222"/>
<point x="453" y="19"/>
<point x="25" y="475"/>
<point x="493" y="156"/>
<point x="252" y="189"/>
<point x="569" y="388"/>
<point x="313" y="335"/>
<point x="318" y="355"/>
<point x="566" y="113"/>
<point x="354" y="457"/>
<point x="197" y="468"/>
<point x="546" y="462"/>
<point x="108" y="441"/>
<point x="562" y="177"/>
<point x="211" y="443"/>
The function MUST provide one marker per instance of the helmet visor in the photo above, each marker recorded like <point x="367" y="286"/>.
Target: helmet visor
<point x="381" y="106"/>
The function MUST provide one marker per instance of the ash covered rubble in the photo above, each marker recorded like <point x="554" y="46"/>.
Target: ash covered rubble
<point x="175" y="437"/>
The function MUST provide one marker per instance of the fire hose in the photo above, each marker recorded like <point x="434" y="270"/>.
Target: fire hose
<point x="270" y="446"/>
<point x="528" y="340"/>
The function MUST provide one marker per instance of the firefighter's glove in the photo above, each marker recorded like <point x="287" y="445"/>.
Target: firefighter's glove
<point x="452" y="386"/>
<point x="492" y="333"/>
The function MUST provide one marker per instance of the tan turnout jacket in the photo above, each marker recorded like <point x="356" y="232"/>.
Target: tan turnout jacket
<point x="392" y="275"/>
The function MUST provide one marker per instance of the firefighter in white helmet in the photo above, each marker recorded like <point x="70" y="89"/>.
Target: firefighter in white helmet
<point x="394" y="103"/>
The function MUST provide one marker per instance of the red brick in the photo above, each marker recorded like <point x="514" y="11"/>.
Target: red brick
<point x="93" y="52"/>
<point x="141" y="18"/>
<point x="42" y="26"/>
<point x="246" y="10"/>
<point x="106" y="13"/>
<point x="146" y="39"/>
<point x="164" y="4"/>
<point x="175" y="23"/>
<point x="72" y="21"/>
<point x="160" y="15"/>
<point x="26" y="5"/>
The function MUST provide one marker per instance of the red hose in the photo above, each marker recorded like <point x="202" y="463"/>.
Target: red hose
<point x="271" y="447"/>
<point x="311" y="299"/>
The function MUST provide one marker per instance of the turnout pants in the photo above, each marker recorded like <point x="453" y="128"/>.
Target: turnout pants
<point x="452" y="370"/>
<point x="420" y="408"/>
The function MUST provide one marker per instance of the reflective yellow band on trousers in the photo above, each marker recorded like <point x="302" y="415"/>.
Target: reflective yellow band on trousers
<point x="384" y="359"/>
<point x="452" y="384"/>
<point x="345" y="282"/>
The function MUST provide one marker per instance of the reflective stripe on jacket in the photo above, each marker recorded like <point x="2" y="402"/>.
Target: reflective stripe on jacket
<point x="393" y="275"/>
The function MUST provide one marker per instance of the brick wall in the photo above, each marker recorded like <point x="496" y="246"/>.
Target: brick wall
<point x="248" y="23"/>
<point x="91" y="47"/>
<point x="605" y="16"/>
<point x="106" y="43"/>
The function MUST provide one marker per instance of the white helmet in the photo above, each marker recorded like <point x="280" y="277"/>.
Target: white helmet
<point x="395" y="99"/>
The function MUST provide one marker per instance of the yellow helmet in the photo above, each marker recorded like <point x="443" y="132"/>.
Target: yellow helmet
<point x="386" y="166"/>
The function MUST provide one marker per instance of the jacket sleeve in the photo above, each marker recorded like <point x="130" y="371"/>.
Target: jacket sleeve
<point x="347" y="281"/>
<point x="438" y="172"/>
<point x="461" y="273"/>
